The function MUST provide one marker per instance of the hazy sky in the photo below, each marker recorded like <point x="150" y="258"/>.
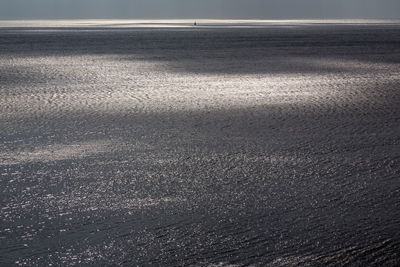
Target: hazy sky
<point x="235" y="9"/>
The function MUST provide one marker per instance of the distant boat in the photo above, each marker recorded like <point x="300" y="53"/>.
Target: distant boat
<point x="195" y="23"/>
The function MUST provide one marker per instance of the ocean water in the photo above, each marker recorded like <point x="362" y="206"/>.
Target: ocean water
<point x="226" y="144"/>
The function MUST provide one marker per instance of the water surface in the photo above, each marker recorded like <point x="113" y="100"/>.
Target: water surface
<point x="243" y="143"/>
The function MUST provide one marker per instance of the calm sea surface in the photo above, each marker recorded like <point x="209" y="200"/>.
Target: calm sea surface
<point x="223" y="144"/>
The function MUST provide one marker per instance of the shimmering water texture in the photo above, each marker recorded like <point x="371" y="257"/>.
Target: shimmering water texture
<point x="229" y="143"/>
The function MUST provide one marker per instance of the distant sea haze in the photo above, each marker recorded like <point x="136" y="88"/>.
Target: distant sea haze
<point x="180" y="23"/>
<point x="225" y="143"/>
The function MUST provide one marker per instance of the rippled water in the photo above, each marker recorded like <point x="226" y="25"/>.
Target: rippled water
<point x="224" y="144"/>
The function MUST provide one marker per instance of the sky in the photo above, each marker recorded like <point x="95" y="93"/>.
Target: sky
<point x="207" y="9"/>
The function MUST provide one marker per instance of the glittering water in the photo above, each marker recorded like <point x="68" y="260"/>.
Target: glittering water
<point x="229" y="143"/>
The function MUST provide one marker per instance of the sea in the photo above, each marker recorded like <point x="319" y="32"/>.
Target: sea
<point x="225" y="143"/>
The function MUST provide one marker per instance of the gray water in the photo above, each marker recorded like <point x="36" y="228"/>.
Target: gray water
<point x="273" y="144"/>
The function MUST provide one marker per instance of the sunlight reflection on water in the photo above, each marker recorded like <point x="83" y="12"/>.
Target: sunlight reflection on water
<point x="219" y="147"/>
